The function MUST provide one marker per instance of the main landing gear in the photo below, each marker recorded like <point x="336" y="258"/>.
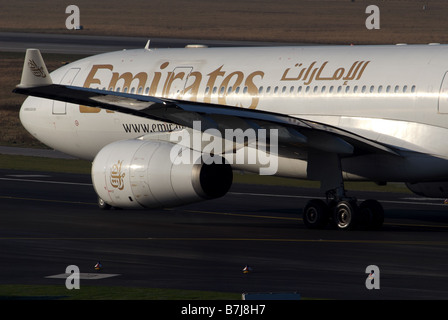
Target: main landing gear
<point x="344" y="213"/>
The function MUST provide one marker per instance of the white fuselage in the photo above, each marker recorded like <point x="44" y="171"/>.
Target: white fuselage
<point x="395" y="95"/>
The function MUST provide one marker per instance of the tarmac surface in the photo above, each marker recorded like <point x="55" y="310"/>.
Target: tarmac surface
<point x="51" y="221"/>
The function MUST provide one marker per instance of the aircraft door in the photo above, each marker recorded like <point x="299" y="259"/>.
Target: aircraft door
<point x="59" y="107"/>
<point x="443" y="95"/>
<point x="178" y="80"/>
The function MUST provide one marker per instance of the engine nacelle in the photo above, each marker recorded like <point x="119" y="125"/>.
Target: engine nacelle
<point x="142" y="174"/>
<point x="429" y="189"/>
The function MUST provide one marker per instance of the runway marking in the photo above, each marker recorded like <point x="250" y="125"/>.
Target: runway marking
<point x="415" y="201"/>
<point x="47" y="181"/>
<point x="352" y="241"/>
<point x="218" y="213"/>
<point x="28" y="175"/>
<point x="241" y="215"/>
<point x="223" y="213"/>
<point x="46" y="200"/>
<point x="84" y="276"/>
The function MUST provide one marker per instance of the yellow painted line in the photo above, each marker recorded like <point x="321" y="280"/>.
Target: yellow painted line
<point x="300" y="219"/>
<point x="241" y="215"/>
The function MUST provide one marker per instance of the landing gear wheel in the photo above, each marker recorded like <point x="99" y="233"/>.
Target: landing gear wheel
<point x="103" y="205"/>
<point x="316" y="214"/>
<point x="372" y="214"/>
<point x="345" y="215"/>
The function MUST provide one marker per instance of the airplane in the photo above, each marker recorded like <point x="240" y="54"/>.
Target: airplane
<point x="325" y="113"/>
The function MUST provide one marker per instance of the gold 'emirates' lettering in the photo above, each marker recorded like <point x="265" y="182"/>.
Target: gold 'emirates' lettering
<point x="187" y="85"/>
<point x="311" y="73"/>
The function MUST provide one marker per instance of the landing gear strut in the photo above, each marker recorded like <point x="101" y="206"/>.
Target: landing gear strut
<point x="344" y="213"/>
<point x="103" y="205"/>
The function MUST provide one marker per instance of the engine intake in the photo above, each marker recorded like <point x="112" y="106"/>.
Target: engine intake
<point x="142" y="174"/>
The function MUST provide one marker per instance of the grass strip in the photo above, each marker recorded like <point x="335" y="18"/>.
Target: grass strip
<point x="16" y="162"/>
<point x="60" y="292"/>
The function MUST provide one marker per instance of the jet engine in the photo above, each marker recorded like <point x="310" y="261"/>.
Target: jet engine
<point x="152" y="174"/>
<point x="429" y="189"/>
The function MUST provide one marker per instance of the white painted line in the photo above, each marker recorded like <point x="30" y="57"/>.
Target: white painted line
<point x="84" y="276"/>
<point x="418" y="201"/>
<point x="44" y="181"/>
<point x="28" y="175"/>
<point x="415" y="201"/>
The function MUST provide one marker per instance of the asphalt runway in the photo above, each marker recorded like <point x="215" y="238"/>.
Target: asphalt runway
<point x="50" y="221"/>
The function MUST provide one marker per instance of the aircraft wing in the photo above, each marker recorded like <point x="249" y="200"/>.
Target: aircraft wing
<point x="295" y="136"/>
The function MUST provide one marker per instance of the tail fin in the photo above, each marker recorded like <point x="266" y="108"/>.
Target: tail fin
<point x="34" y="73"/>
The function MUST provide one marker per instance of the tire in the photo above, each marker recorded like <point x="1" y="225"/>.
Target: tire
<point x="103" y="205"/>
<point x="315" y="214"/>
<point x="345" y="215"/>
<point x="372" y="214"/>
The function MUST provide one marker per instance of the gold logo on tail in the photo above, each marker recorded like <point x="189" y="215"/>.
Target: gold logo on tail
<point x="116" y="176"/>
<point x="37" y="71"/>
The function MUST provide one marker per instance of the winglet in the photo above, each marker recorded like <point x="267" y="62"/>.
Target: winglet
<point x="34" y="73"/>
